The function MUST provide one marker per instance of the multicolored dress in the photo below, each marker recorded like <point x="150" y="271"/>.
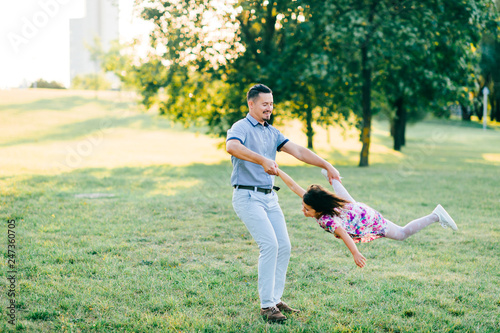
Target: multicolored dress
<point x="360" y="221"/>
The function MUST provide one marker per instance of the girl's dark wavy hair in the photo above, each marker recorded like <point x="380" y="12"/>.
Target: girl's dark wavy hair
<point x="323" y="201"/>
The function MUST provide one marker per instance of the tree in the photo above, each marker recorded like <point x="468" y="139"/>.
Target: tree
<point x="490" y="72"/>
<point x="415" y="55"/>
<point x="41" y="83"/>
<point x="96" y="81"/>
<point x="205" y="76"/>
<point x="320" y="58"/>
<point x="430" y="58"/>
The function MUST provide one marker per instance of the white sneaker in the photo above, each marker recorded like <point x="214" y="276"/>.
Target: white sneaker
<point x="444" y="218"/>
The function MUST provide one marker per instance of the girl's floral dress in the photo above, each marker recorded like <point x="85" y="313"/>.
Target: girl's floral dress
<point x="360" y="221"/>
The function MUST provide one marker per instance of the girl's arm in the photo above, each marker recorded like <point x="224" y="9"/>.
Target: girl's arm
<point x="291" y="183"/>
<point x="359" y="259"/>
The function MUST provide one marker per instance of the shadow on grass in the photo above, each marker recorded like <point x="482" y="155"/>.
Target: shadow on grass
<point x="83" y="128"/>
<point x="170" y="242"/>
<point x="64" y="104"/>
<point x="461" y="123"/>
<point x="200" y="188"/>
<point x="94" y="126"/>
<point x="203" y="181"/>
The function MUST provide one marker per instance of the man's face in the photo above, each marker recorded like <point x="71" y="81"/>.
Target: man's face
<point x="261" y="107"/>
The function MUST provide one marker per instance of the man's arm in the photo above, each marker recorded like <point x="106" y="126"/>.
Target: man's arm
<point x="307" y="156"/>
<point x="238" y="150"/>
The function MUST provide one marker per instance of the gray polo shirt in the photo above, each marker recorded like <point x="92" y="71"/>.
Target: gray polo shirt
<point x="264" y="140"/>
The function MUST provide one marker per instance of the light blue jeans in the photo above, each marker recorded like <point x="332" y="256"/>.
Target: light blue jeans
<point x="263" y="217"/>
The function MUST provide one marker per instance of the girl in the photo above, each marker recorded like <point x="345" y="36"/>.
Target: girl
<point x="354" y="221"/>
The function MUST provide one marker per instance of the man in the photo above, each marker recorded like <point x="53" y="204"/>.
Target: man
<point x="253" y="144"/>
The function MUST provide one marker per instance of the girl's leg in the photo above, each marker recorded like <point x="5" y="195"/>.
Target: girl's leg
<point x="341" y="191"/>
<point x="338" y="188"/>
<point x="401" y="233"/>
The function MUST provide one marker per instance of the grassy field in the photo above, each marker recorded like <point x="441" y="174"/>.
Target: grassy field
<point x="124" y="223"/>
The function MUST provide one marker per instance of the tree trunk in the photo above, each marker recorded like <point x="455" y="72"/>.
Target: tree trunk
<point x="270" y="28"/>
<point x="366" y="77"/>
<point x="403" y="126"/>
<point x="309" y="128"/>
<point x="366" y="74"/>
<point x="498" y="109"/>
<point x="399" y="124"/>
<point x="465" y="113"/>
<point x="493" y="102"/>
<point x="479" y="110"/>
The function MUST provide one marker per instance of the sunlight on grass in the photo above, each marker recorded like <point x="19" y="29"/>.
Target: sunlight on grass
<point x="488" y="121"/>
<point x="495" y="158"/>
<point x="53" y="135"/>
<point x="342" y="144"/>
<point x="47" y="131"/>
<point x="170" y="188"/>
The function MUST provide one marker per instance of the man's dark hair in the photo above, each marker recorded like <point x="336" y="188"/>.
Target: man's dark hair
<point x="256" y="90"/>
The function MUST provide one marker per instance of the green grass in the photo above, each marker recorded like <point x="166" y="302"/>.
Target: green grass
<point x="165" y="252"/>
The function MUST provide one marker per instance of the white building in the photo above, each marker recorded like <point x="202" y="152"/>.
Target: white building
<point x="100" y="20"/>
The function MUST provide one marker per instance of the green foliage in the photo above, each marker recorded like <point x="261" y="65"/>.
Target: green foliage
<point x="206" y="79"/>
<point x="96" y="81"/>
<point x="429" y="59"/>
<point x="117" y="61"/>
<point x="489" y="70"/>
<point x="41" y="83"/>
<point x="320" y="58"/>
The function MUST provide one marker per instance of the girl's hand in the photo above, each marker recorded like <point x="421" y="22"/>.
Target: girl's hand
<point x="359" y="259"/>
<point x="270" y="166"/>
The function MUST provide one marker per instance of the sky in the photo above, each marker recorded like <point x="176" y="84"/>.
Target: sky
<point x="34" y="38"/>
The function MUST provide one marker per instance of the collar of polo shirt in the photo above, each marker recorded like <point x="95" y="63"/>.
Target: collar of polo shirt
<point x="254" y="122"/>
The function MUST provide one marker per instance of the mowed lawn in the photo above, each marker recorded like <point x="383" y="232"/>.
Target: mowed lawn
<point x="124" y="223"/>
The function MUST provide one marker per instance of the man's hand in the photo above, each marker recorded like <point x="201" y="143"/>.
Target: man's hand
<point x="238" y="150"/>
<point x="270" y="166"/>
<point x="359" y="259"/>
<point x="333" y="174"/>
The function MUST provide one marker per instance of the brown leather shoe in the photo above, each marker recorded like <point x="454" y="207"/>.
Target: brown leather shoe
<point x="283" y="307"/>
<point x="272" y="314"/>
